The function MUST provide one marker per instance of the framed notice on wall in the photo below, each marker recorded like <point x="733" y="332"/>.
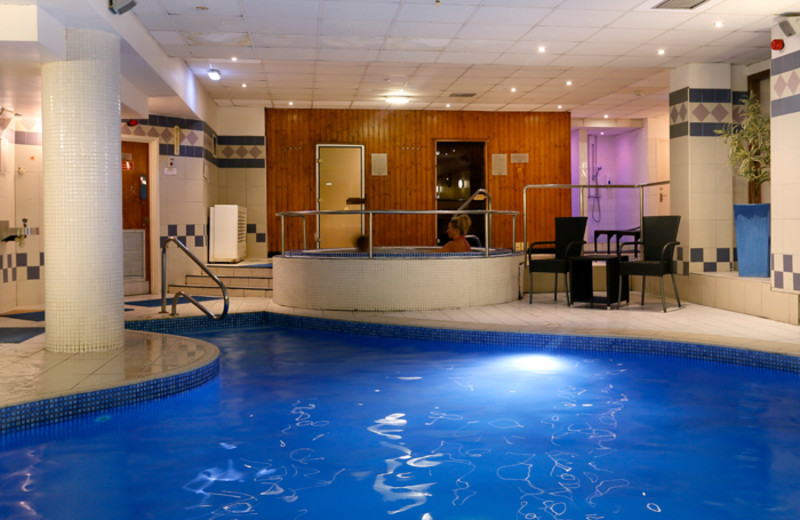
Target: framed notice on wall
<point x="499" y="164"/>
<point x="379" y="164"/>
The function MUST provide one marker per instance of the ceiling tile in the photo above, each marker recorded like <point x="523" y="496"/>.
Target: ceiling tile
<point x="509" y="16"/>
<point x="425" y="30"/>
<point x="296" y="9"/>
<point x="436" y="14"/>
<point x="493" y="32"/>
<point x="168" y="37"/>
<point x="194" y="23"/>
<point x="415" y="44"/>
<point x="545" y="34"/>
<point x="581" y="61"/>
<point x="623" y="35"/>
<point x="218" y="38"/>
<point x="601" y="49"/>
<point x="300" y="41"/>
<point x="462" y="45"/>
<point x="282" y="26"/>
<point x="361" y="11"/>
<point x="663" y="19"/>
<point x="155" y="22"/>
<point x="286" y="54"/>
<point x="408" y="56"/>
<point x="214" y="8"/>
<point x="351" y="42"/>
<point x="348" y="54"/>
<point x="350" y="27"/>
<point x="580" y="18"/>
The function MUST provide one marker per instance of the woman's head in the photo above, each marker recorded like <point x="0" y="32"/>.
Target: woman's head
<point x="460" y="223"/>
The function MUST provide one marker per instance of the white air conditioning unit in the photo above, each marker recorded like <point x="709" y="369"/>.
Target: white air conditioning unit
<point x="228" y="233"/>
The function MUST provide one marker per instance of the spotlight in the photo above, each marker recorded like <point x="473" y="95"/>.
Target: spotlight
<point x="214" y="75"/>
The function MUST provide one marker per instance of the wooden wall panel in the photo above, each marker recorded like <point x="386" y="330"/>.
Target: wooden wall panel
<point x="409" y="140"/>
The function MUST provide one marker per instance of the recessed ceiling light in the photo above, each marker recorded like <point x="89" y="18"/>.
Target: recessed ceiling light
<point x="447" y="105"/>
<point x="244" y="85"/>
<point x="542" y="49"/>
<point x="513" y="89"/>
<point x="605" y="116"/>
<point x="661" y="52"/>
<point x="560" y="107"/>
<point x="569" y="83"/>
<point x="602" y="133"/>
<point x="397" y="100"/>
<point x="719" y="24"/>
<point x="234" y="58"/>
<point x="214" y="75"/>
<point x="291" y="103"/>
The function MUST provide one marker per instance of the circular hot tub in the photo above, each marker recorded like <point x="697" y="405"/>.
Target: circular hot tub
<point x="395" y="279"/>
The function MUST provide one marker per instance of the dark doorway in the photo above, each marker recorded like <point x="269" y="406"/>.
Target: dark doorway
<point x="460" y="171"/>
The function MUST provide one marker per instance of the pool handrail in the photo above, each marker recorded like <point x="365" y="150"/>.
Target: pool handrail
<point x="178" y="294"/>
<point x="582" y="187"/>
<point x="487" y="219"/>
<point x="371" y="212"/>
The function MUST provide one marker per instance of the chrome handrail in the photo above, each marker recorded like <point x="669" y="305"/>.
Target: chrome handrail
<point x="582" y="187"/>
<point x="181" y="293"/>
<point x="487" y="219"/>
<point x="371" y="212"/>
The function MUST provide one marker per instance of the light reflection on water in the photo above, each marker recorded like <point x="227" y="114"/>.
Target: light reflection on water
<point x="311" y="425"/>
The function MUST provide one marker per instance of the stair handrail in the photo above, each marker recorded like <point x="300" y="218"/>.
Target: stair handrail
<point x="178" y="294"/>
<point x="487" y="217"/>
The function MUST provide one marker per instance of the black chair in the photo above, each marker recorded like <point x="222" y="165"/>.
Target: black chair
<point x="568" y="243"/>
<point x="658" y="243"/>
<point x="473" y="240"/>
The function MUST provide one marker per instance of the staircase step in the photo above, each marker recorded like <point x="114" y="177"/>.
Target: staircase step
<point x="250" y="282"/>
<point x="214" y="290"/>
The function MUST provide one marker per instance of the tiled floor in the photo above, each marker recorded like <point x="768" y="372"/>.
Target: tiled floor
<point x="31" y="373"/>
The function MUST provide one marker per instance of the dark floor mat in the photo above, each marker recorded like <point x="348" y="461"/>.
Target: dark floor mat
<point x="31" y="316"/>
<point x="18" y="334"/>
<point x="27" y="316"/>
<point x="157" y="303"/>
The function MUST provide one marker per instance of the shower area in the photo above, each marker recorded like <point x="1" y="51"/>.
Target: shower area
<point x="603" y="156"/>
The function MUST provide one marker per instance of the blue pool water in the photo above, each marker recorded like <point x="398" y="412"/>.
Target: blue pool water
<point x="319" y="425"/>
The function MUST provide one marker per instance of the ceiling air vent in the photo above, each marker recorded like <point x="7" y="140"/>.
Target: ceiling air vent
<point x="462" y="94"/>
<point x="679" y="4"/>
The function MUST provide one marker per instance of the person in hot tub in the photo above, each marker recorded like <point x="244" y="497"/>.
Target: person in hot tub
<point x="457" y="231"/>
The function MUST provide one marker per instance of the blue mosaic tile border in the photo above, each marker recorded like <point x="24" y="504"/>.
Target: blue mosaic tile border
<point x="411" y="253"/>
<point x="16" y="267"/>
<point x="51" y="411"/>
<point x="190" y="235"/>
<point x="785" y="271"/>
<point x="487" y="340"/>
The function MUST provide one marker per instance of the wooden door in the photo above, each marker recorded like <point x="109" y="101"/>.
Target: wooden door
<point x="340" y="186"/>
<point x="136" y="194"/>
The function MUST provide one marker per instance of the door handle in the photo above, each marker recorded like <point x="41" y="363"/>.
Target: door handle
<point x="356" y="200"/>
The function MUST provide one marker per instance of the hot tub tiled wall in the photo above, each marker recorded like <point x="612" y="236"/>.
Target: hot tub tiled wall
<point x="390" y="284"/>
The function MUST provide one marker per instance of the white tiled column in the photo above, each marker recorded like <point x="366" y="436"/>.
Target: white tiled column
<point x="83" y="195"/>
<point x="785" y="183"/>
<point x="701" y="180"/>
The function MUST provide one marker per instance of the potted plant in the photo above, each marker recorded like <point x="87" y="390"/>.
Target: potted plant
<point x="749" y="153"/>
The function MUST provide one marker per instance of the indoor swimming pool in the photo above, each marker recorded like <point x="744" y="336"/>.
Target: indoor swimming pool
<point x="314" y="424"/>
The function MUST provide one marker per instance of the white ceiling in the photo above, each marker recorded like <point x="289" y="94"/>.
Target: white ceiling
<point x="352" y="54"/>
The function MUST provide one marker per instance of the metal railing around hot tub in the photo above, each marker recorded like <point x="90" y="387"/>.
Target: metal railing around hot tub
<point x="582" y="187"/>
<point x="370" y="213"/>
